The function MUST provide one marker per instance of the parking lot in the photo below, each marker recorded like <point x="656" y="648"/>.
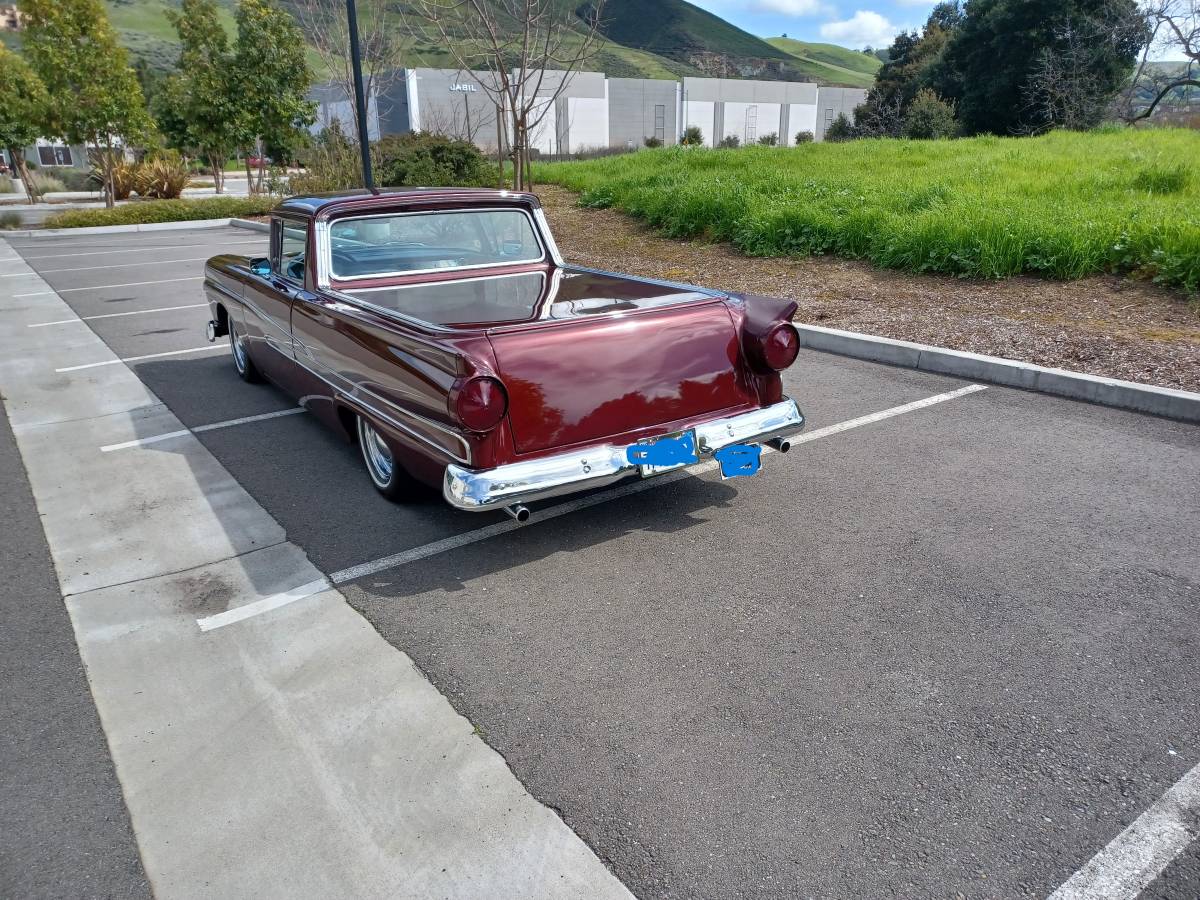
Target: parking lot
<point x="947" y="646"/>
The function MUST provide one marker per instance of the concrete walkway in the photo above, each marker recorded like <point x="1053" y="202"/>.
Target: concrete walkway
<point x="292" y="755"/>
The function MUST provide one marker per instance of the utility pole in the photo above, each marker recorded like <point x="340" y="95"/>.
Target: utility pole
<point x="360" y="100"/>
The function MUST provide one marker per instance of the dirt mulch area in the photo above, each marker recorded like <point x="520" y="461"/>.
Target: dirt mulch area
<point x="1106" y="325"/>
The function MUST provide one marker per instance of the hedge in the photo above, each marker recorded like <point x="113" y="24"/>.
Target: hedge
<point x="143" y="212"/>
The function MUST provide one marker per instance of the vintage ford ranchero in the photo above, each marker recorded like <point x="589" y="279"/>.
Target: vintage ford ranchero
<point x="442" y="331"/>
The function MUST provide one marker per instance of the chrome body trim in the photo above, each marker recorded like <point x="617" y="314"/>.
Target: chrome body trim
<point x="539" y="217"/>
<point x="603" y="464"/>
<point x="325" y="273"/>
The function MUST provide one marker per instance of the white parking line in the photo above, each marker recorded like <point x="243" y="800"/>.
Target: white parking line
<point x="217" y="247"/>
<point x="135" y="312"/>
<point x="228" y="423"/>
<point x="266" y="604"/>
<point x="453" y="542"/>
<point x="104" y="287"/>
<point x="1140" y="853"/>
<point x="129" y="265"/>
<point x="129" y="359"/>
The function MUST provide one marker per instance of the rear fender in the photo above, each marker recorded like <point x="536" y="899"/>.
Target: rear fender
<point x="754" y="316"/>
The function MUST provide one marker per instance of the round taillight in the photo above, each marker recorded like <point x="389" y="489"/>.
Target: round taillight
<point x="481" y="403"/>
<point x="781" y="346"/>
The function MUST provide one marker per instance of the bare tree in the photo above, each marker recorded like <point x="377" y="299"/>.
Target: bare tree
<point x="382" y="40"/>
<point x="1173" y="25"/>
<point x="522" y="53"/>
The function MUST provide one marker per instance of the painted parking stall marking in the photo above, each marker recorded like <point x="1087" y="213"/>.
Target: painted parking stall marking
<point x="490" y="531"/>
<point x="158" y="249"/>
<point x="128" y="359"/>
<point x="214" y="426"/>
<point x="128" y="265"/>
<point x="106" y="287"/>
<point x="135" y="312"/>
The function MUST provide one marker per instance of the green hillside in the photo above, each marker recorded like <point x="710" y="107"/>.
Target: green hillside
<point x="698" y="39"/>
<point x="829" y="63"/>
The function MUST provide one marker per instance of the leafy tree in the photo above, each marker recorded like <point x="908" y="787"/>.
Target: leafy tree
<point x="198" y="108"/>
<point x="840" y="129"/>
<point x="988" y="68"/>
<point x="94" y="95"/>
<point x="692" y="136"/>
<point x="804" y="137"/>
<point x="22" y="113"/>
<point x="271" y="77"/>
<point x="905" y="72"/>
<point x="929" y="117"/>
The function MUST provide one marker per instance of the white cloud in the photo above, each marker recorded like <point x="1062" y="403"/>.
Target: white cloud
<point x="792" y="7"/>
<point x="862" y="29"/>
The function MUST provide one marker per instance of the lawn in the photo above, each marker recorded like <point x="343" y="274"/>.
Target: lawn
<point x="1063" y="205"/>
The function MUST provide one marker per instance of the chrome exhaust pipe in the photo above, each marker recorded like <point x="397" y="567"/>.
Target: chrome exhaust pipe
<point x="212" y="330"/>
<point x="518" y="512"/>
<point x="780" y="445"/>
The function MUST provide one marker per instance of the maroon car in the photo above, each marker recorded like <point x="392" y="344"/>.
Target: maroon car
<point x="442" y="331"/>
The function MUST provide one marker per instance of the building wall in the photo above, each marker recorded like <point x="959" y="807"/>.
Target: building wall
<point x="639" y="108"/>
<point x="832" y="101"/>
<point x="748" y="110"/>
<point x="801" y="117"/>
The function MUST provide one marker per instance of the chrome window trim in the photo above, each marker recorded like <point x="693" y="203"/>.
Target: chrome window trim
<point x="326" y="274"/>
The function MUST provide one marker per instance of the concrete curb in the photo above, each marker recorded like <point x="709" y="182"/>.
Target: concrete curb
<point x="252" y="226"/>
<point x="1166" y="402"/>
<point x="121" y="229"/>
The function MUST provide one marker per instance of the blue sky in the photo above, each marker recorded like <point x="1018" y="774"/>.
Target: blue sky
<point x="850" y="23"/>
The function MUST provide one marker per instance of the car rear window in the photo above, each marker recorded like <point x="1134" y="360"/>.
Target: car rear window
<point x="371" y="246"/>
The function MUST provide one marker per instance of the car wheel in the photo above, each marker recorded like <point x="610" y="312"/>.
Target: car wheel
<point x="387" y="475"/>
<point x="241" y="357"/>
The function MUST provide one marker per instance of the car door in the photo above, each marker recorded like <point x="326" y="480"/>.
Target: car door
<point x="268" y="299"/>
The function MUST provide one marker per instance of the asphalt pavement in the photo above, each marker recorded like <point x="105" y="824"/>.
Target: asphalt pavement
<point x="947" y="653"/>
<point x="64" y="828"/>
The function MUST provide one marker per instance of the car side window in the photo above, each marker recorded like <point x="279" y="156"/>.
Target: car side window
<point x="293" y="241"/>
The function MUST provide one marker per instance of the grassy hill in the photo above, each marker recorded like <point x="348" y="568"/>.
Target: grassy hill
<point x="829" y="63"/>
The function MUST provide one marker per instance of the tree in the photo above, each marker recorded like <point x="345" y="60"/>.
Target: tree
<point x="521" y="52"/>
<point x="905" y="72"/>
<point x="384" y="45"/>
<point x="989" y="66"/>
<point x="929" y="117"/>
<point x="840" y="129"/>
<point x="197" y="108"/>
<point x="22" y="113"/>
<point x="1174" y="25"/>
<point x="692" y="136"/>
<point x="94" y="95"/>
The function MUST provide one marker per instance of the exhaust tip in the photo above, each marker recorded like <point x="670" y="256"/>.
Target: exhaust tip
<point x="518" y="512"/>
<point x="211" y="331"/>
<point x="780" y="445"/>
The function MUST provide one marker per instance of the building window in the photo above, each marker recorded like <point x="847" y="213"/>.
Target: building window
<point x="58" y="155"/>
<point x="660" y="122"/>
<point x="751" y="124"/>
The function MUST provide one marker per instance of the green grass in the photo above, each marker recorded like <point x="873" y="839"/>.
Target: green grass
<point x="829" y="63"/>
<point x="1063" y="205"/>
<point x="147" y="211"/>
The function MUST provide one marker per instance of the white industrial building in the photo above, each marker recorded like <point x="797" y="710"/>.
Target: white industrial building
<point x="594" y="111"/>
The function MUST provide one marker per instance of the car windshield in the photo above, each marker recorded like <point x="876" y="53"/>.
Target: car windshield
<point x="420" y="242"/>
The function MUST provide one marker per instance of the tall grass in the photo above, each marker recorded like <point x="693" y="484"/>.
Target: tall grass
<point x="1063" y="205"/>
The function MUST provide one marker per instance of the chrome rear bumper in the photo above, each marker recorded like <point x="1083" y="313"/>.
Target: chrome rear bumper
<point x="581" y="470"/>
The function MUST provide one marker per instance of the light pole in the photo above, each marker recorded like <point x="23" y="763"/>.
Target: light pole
<point x="360" y="100"/>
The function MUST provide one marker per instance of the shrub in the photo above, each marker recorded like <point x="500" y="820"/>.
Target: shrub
<point x="692" y="136"/>
<point x="46" y="184"/>
<point x="769" y="140"/>
<point x="430" y="160"/>
<point x="164" y="211"/>
<point x="7" y="185"/>
<point x="162" y="178"/>
<point x="929" y="117"/>
<point x="730" y="141"/>
<point x="9" y="221"/>
<point x="78" y="180"/>
<point x="804" y="137"/>
<point x="839" y="129"/>
<point x="653" y="142"/>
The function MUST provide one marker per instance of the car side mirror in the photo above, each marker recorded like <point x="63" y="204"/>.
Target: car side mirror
<point x="260" y="267"/>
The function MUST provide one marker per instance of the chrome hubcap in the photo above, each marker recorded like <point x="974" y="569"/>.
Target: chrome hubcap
<point x="376" y="453"/>
<point x="239" y="352"/>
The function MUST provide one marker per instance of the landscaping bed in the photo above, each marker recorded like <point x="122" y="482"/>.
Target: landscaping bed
<point x="1101" y="325"/>
<point x="143" y="212"/>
